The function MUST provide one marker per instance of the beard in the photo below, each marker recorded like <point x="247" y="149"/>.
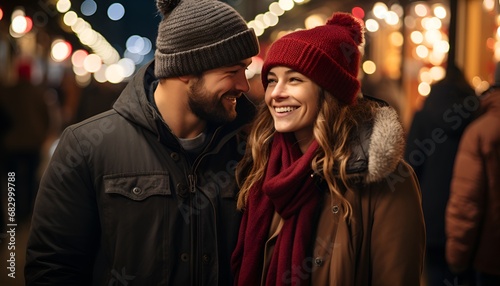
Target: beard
<point x="208" y="106"/>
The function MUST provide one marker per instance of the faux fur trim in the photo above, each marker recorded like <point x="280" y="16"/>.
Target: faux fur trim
<point x="386" y="145"/>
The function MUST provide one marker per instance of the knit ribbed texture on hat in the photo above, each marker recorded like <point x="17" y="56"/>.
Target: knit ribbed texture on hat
<point x="199" y="35"/>
<point x="328" y="55"/>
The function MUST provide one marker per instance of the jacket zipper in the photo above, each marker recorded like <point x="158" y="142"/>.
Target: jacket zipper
<point x="192" y="179"/>
<point x="194" y="231"/>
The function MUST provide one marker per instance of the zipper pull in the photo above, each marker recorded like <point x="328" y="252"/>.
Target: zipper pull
<point x="192" y="183"/>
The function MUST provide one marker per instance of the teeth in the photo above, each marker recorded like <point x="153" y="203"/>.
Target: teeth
<point x="284" y="109"/>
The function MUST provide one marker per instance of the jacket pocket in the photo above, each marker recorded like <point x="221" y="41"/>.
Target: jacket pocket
<point x="138" y="187"/>
<point x="134" y="213"/>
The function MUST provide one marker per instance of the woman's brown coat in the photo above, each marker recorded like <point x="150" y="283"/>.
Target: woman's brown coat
<point x="384" y="243"/>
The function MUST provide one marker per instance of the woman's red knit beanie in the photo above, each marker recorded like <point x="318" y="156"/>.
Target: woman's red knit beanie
<point x="327" y="54"/>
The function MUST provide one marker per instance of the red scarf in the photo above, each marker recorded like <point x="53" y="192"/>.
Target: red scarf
<point x="289" y="190"/>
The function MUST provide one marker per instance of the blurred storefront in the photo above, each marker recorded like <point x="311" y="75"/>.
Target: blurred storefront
<point x="407" y="42"/>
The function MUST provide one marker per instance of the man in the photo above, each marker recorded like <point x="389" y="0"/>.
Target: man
<point x="144" y="194"/>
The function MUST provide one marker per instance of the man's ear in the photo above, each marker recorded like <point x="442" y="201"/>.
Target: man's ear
<point x="186" y="78"/>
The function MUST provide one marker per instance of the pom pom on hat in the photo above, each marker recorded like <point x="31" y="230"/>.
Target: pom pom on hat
<point x="199" y="35"/>
<point x="328" y="54"/>
<point x="350" y="23"/>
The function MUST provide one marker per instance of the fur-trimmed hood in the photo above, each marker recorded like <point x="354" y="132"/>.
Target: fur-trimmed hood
<point x="378" y="148"/>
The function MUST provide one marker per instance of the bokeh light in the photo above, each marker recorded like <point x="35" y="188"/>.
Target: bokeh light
<point x="116" y="11"/>
<point x="424" y="89"/>
<point x="92" y="63"/>
<point x="63" y="6"/>
<point x="88" y="7"/>
<point x="372" y="25"/>
<point x="78" y="57"/>
<point x="60" y="50"/>
<point x="369" y="67"/>
<point x="358" y="12"/>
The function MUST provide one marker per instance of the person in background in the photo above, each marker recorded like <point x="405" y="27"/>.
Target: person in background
<point x="432" y="144"/>
<point x="28" y="112"/>
<point x="145" y="194"/>
<point x="325" y="194"/>
<point x="473" y="210"/>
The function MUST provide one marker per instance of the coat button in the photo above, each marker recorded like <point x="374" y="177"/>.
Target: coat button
<point x="174" y="156"/>
<point x="184" y="257"/>
<point x="205" y="258"/>
<point x="335" y="209"/>
<point x="318" y="261"/>
<point x="136" y="190"/>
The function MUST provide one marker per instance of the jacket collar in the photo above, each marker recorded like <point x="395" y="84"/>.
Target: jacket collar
<point x="378" y="148"/>
<point x="133" y="103"/>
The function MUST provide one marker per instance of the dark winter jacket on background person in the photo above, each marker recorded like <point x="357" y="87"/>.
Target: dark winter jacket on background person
<point x="183" y="209"/>
<point x="432" y="144"/>
<point x="473" y="212"/>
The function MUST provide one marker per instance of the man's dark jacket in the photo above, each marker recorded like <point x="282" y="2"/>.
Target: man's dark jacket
<point x="121" y="204"/>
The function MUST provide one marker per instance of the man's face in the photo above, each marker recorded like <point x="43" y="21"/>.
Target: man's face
<point x="213" y="95"/>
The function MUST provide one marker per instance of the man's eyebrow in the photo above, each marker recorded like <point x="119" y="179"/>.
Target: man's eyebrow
<point x="240" y="64"/>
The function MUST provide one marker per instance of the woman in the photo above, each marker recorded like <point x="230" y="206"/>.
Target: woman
<point x="327" y="198"/>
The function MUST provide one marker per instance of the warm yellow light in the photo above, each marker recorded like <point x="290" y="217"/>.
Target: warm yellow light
<point x="440" y="12"/>
<point x="70" y="18"/>
<point x="92" y="63"/>
<point x="380" y="10"/>
<point x="19" y="24"/>
<point x="421" y="10"/>
<point x="259" y="19"/>
<point x="78" y="57"/>
<point x="100" y="75"/>
<point x="314" y="21"/>
<point x="369" y="67"/>
<point x="489" y="5"/>
<point x="442" y="47"/>
<point x="425" y="76"/>
<point x="433" y="36"/>
<point x="431" y="23"/>
<point x="276" y="9"/>
<point x="396" y="39"/>
<point x="422" y="51"/>
<point x="416" y="37"/>
<point x="114" y="73"/>
<point x="436" y="58"/>
<point x="371" y="25"/>
<point x="270" y="19"/>
<point x="63" y="6"/>
<point x="391" y="18"/>
<point x="286" y="5"/>
<point x="437" y="73"/>
<point x="424" y="89"/>
<point x="60" y="50"/>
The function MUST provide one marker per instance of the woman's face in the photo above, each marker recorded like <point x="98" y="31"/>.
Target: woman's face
<point x="293" y="100"/>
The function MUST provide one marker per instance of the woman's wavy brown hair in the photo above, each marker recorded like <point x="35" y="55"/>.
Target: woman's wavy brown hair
<point x="335" y="127"/>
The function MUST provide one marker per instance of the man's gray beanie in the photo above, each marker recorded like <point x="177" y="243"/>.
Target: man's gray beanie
<point x="199" y="35"/>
